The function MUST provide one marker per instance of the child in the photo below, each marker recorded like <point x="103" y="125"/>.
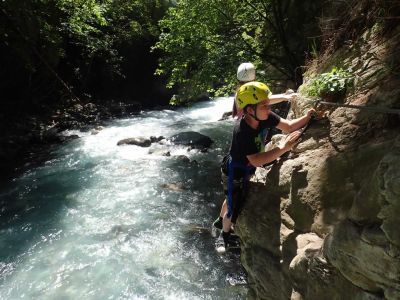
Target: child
<point x="247" y="147"/>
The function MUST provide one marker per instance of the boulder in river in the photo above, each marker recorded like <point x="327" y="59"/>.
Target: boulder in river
<point x="226" y="115"/>
<point x="154" y="139"/>
<point x="139" y="141"/>
<point x="192" y="139"/>
<point x="69" y="138"/>
<point x="162" y="152"/>
<point x="178" y="186"/>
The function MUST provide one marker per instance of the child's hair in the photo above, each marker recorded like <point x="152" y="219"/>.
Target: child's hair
<point x="235" y="111"/>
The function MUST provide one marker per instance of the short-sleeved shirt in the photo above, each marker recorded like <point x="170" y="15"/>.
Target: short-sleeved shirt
<point x="247" y="140"/>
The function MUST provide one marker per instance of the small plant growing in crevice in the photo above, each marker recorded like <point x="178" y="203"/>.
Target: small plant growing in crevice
<point x="332" y="85"/>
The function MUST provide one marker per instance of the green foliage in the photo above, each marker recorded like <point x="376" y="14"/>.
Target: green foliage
<point x="196" y="48"/>
<point x="84" y="42"/>
<point x="335" y="82"/>
<point x="205" y="40"/>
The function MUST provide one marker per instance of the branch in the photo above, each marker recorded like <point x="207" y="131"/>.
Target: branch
<point x="281" y="33"/>
<point x="255" y="8"/>
<point x="265" y="17"/>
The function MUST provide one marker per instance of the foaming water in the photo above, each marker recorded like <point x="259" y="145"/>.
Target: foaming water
<point x="101" y="221"/>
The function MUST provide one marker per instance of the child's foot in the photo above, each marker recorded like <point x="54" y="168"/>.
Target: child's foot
<point x="225" y="236"/>
<point x="221" y="244"/>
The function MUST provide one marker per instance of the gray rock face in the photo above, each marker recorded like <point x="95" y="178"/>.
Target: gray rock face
<point x="363" y="255"/>
<point x="345" y="204"/>
<point x="191" y="138"/>
<point x="324" y="222"/>
<point x="315" y="278"/>
<point x="365" y="247"/>
<point x="388" y="176"/>
<point x="258" y="227"/>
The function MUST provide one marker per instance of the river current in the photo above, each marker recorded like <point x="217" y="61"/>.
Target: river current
<point x="101" y="221"/>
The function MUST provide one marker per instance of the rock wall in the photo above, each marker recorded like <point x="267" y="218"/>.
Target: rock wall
<point x="324" y="222"/>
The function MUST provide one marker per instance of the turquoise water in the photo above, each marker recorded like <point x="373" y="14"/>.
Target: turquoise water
<point x="96" y="220"/>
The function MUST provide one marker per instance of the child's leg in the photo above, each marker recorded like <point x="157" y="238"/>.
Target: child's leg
<point x="226" y="223"/>
<point x="218" y="222"/>
<point x="224" y="209"/>
<point x="226" y="228"/>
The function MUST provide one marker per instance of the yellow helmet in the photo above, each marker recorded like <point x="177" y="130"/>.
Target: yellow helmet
<point x="252" y="93"/>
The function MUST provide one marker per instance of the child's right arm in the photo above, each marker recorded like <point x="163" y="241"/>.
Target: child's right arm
<point x="259" y="159"/>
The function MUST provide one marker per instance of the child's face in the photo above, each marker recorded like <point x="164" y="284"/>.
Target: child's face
<point x="263" y="110"/>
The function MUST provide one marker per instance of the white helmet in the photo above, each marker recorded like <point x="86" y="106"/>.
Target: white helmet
<point x="246" y="72"/>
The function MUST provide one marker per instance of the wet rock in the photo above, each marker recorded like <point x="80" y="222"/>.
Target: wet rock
<point x="90" y="107"/>
<point x="119" y="109"/>
<point x="225" y="115"/>
<point x="116" y="110"/>
<point x="182" y="158"/>
<point x="139" y="141"/>
<point x="192" y="139"/>
<point x="117" y="229"/>
<point x="96" y="130"/>
<point x="50" y="135"/>
<point x="203" y="97"/>
<point x="69" y="138"/>
<point x="162" y="152"/>
<point x="236" y="279"/>
<point x="155" y="139"/>
<point x="133" y="108"/>
<point x="178" y="186"/>
<point x="77" y="107"/>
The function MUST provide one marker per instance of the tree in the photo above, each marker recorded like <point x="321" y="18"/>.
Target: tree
<point x="204" y="41"/>
<point x="63" y="48"/>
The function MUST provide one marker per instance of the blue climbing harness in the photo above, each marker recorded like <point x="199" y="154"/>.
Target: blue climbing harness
<point x="231" y="165"/>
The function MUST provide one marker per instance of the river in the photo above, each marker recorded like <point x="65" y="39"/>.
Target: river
<point x="101" y="221"/>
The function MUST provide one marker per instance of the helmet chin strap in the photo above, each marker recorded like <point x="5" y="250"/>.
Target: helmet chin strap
<point x="254" y="116"/>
